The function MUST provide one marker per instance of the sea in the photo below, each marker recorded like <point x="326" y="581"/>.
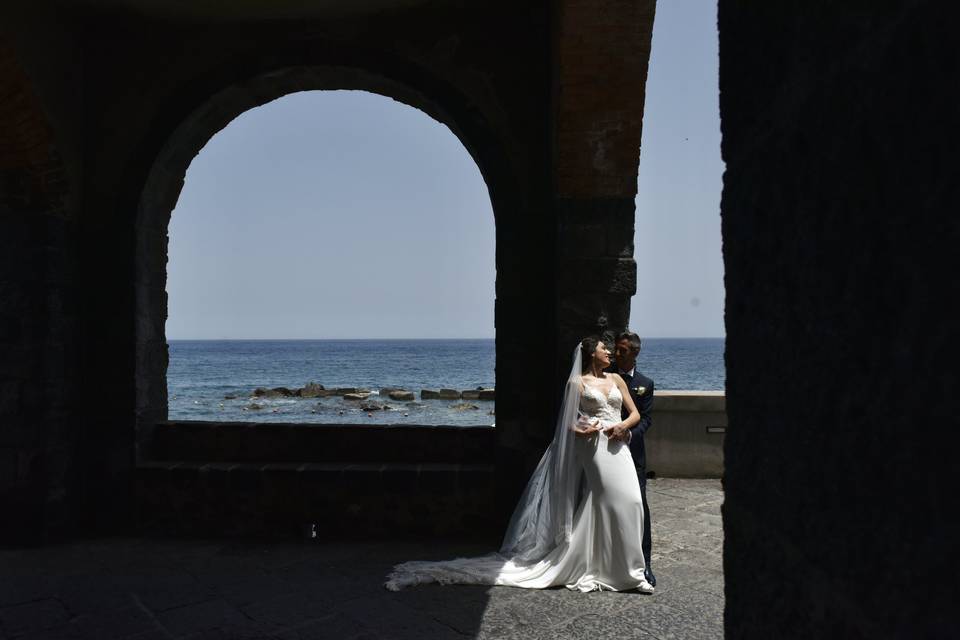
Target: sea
<point x="215" y="379"/>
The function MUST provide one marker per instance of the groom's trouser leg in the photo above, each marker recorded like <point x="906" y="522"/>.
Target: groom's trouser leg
<point x="647" y="542"/>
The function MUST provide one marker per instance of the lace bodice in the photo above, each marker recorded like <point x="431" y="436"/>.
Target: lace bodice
<point x="594" y="404"/>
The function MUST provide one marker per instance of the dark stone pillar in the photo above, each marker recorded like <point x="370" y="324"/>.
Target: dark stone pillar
<point x="601" y="57"/>
<point x="840" y="240"/>
<point x="40" y="484"/>
<point x="598" y="274"/>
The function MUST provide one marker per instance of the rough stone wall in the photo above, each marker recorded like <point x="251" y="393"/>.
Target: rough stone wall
<point x="840" y="240"/>
<point x="129" y="90"/>
<point x="39" y="492"/>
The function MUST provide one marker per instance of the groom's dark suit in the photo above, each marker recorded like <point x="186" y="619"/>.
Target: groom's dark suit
<point x="641" y="390"/>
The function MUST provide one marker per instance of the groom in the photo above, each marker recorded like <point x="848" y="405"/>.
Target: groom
<point x="627" y="348"/>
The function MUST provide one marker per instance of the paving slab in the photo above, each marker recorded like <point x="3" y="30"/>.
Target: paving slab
<point x="148" y="589"/>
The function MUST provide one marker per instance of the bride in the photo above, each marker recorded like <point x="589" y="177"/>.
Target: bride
<point x="579" y="522"/>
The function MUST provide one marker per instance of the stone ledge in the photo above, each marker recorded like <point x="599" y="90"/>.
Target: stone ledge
<point x="675" y="400"/>
<point x="686" y="439"/>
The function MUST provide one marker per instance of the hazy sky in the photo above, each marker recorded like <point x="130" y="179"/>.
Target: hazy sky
<point x="342" y="214"/>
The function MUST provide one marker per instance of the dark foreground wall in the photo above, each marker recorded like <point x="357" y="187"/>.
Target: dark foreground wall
<point x="840" y="235"/>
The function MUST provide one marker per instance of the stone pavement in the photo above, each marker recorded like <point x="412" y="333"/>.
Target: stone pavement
<point x="198" y="589"/>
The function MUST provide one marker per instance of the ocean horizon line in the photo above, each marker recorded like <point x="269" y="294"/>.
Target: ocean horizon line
<point x="400" y="339"/>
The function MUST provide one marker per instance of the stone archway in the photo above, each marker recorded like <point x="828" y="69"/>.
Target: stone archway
<point x="165" y="180"/>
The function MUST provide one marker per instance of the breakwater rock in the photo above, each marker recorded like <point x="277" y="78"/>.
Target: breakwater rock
<point x="311" y="390"/>
<point x="276" y="392"/>
<point x="314" y="390"/>
<point x="453" y="394"/>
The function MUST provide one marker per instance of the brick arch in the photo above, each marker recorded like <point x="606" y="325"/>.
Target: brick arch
<point x="32" y="176"/>
<point x="165" y="181"/>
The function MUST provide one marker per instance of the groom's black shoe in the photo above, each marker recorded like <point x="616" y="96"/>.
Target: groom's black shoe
<point x="652" y="579"/>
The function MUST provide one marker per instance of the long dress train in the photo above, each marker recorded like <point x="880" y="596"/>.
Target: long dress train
<point x="603" y="548"/>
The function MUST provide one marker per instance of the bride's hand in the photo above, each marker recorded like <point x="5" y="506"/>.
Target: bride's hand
<point x="617" y="432"/>
<point x="586" y="427"/>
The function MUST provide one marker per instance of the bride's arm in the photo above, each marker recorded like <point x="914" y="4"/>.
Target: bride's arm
<point x="621" y="430"/>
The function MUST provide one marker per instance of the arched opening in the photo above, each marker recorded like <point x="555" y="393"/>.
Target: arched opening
<point x="331" y="260"/>
<point x="165" y="182"/>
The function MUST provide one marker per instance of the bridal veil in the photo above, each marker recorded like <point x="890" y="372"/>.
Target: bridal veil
<point x="542" y="519"/>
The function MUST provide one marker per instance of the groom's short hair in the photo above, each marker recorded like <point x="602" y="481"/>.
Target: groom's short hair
<point x="632" y="338"/>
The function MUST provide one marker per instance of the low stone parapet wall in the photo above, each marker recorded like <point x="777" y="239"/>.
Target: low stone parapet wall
<point x="686" y="439"/>
<point x="257" y="479"/>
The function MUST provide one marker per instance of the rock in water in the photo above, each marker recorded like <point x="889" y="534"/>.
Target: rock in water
<point x="386" y="391"/>
<point x="487" y="394"/>
<point x="404" y="396"/>
<point x="470" y="394"/>
<point x="449" y="394"/>
<point x="311" y="390"/>
<point x="429" y="394"/>
<point x="373" y="406"/>
<point x="276" y="392"/>
<point x="463" y="406"/>
<point x="355" y="396"/>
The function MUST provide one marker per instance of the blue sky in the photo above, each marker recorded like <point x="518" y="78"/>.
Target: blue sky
<point x="348" y="215"/>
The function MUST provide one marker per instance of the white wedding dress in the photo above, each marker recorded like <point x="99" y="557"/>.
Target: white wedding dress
<point x="600" y="550"/>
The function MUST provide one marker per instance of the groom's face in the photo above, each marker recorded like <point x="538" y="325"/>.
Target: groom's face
<point x="625" y="354"/>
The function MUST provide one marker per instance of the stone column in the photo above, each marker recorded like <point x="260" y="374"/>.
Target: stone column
<point x="601" y="53"/>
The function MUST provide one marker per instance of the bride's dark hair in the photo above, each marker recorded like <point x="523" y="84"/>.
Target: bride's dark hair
<point x="587" y="346"/>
